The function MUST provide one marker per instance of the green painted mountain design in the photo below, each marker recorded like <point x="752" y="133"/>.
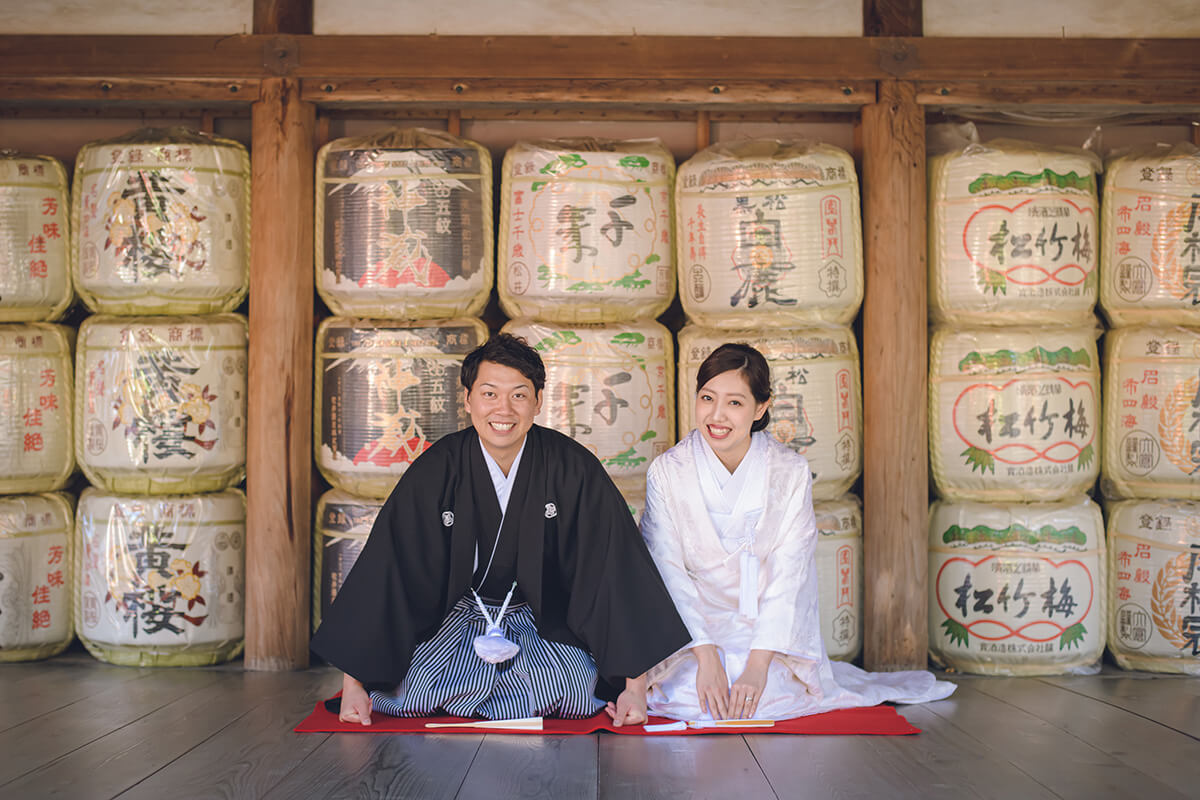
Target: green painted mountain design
<point x="1047" y="534"/>
<point x="1025" y="180"/>
<point x="1007" y="359"/>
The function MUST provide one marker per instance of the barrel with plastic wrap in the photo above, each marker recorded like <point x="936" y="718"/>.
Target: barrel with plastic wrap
<point x="35" y="276"/>
<point x="160" y="403"/>
<point x="160" y="223"/>
<point x="161" y="580"/>
<point x="1150" y="255"/>
<point x="404" y="225"/>
<point x="1014" y="413"/>
<point x="1017" y="588"/>
<point x="1151" y="413"/>
<point x="385" y="392"/>
<point x="769" y="235"/>
<point x="585" y="230"/>
<point x="35" y="576"/>
<point x="35" y="407"/>
<point x="343" y="523"/>
<point x="1154" y="585"/>
<point x="840" y="575"/>
<point x="816" y="396"/>
<point x="1013" y="235"/>
<point x="608" y="387"/>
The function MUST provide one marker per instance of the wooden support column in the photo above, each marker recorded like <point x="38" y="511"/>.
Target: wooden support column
<point x="895" y="355"/>
<point x="279" y="423"/>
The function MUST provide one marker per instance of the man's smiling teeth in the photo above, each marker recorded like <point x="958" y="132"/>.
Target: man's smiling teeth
<point x="503" y="426"/>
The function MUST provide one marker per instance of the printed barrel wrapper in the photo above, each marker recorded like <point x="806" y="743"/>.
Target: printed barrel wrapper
<point x="161" y="579"/>
<point x="343" y="523"/>
<point x="35" y="277"/>
<point x="1152" y="413"/>
<point x="35" y="576"/>
<point x="160" y="403"/>
<point x="1150" y="259"/>
<point x="816" y="405"/>
<point x="160" y="223"/>
<point x="769" y="234"/>
<point x="385" y="392"/>
<point x="404" y="225"/>
<point x="840" y="576"/>
<point x="609" y="387"/>
<point x="1154" y="585"/>
<point x="35" y="407"/>
<point x="1013" y="235"/>
<point x="1014" y="413"/>
<point x="1017" y="589"/>
<point x="585" y="230"/>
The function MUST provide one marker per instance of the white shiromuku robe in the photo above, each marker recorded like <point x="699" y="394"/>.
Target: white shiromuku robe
<point x="706" y="529"/>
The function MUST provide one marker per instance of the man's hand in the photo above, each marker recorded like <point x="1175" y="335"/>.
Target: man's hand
<point x="747" y="690"/>
<point x="630" y="708"/>
<point x="712" y="684"/>
<point x="356" y="703"/>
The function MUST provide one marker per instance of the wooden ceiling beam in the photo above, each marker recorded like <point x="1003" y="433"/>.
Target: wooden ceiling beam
<point x="1073" y="93"/>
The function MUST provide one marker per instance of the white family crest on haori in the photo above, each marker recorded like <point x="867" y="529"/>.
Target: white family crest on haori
<point x="447" y="518"/>
<point x="551" y="511"/>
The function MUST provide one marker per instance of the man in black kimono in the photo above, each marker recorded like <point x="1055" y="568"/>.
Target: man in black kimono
<point x="502" y="504"/>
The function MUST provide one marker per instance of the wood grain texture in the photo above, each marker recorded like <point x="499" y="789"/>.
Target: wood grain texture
<point x="1173" y="701"/>
<point x="237" y="92"/>
<point x="283" y="16"/>
<point x="28" y="691"/>
<point x="671" y="767"/>
<point x="533" y="767"/>
<point x="893" y="18"/>
<point x="1086" y="94"/>
<point x="894" y="357"/>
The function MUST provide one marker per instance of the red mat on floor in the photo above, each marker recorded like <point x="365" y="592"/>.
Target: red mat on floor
<point x="883" y="720"/>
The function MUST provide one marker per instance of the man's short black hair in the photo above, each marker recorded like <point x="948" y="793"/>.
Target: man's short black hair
<point x="507" y="351"/>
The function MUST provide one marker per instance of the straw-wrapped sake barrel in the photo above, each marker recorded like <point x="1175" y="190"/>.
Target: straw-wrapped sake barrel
<point x="1154" y="585"/>
<point x="385" y="392"/>
<point x="35" y="576"/>
<point x="769" y="235"/>
<point x="1150" y="254"/>
<point x="35" y="277"/>
<point x="1013" y="413"/>
<point x="404" y="225"/>
<point x="585" y="230"/>
<point x="1152" y="413"/>
<point x="160" y="223"/>
<point x="35" y="407"/>
<point x="343" y="523"/>
<point x="840" y="575"/>
<point x="608" y="387"/>
<point x="633" y="490"/>
<point x="1017" y="589"/>
<point x="1013" y="235"/>
<point x="816" y="405"/>
<point x="160" y="403"/>
<point x="161" y="579"/>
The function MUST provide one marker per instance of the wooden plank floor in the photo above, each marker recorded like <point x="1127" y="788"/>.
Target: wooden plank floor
<point x="75" y="728"/>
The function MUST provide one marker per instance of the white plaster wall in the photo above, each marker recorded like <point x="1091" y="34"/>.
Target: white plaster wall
<point x="126" y="16"/>
<point x="1070" y="19"/>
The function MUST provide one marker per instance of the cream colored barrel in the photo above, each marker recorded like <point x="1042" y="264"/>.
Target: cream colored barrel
<point x="585" y="230"/>
<point x="608" y="387"/>
<point x="160" y="223"/>
<point x="404" y="225"/>
<point x="343" y="524"/>
<point x="160" y="403"/>
<point x="36" y="397"/>
<point x="1150" y="258"/>
<point x="816" y="406"/>
<point x="385" y="392"/>
<point x="161" y="579"/>
<point x="35" y="276"/>
<point x="840" y="575"/>
<point x="35" y="576"/>
<point x="769" y="235"/>
<point x="1013" y="235"/>
<point x="634" y="492"/>
<point x="1154" y="585"/>
<point x="1013" y="413"/>
<point x="1152" y="409"/>
<point x="1018" y="588"/>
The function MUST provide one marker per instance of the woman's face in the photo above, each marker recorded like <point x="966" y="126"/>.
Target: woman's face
<point x="725" y="410"/>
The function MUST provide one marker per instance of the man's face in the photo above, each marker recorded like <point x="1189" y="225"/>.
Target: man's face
<point x="502" y="404"/>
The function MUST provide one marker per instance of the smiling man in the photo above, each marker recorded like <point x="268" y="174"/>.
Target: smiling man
<point x="504" y="576"/>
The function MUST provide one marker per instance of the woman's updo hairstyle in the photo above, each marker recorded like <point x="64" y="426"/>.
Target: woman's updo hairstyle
<point x="746" y="360"/>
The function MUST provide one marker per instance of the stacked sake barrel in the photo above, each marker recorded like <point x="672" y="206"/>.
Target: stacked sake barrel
<point x="404" y="259"/>
<point x="1150" y="292"/>
<point x="160" y="237"/>
<point x="35" y="409"/>
<point x="840" y="575"/>
<point x="585" y="265"/>
<point x="1016" y="562"/>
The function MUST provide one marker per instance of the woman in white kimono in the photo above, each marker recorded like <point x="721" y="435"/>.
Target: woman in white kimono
<point x="729" y="521"/>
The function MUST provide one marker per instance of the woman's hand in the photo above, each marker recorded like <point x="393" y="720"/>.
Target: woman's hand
<point x="630" y="708"/>
<point x="712" y="684"/>
<point x="747" y="690"/>
<point x="356" y="703"/>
